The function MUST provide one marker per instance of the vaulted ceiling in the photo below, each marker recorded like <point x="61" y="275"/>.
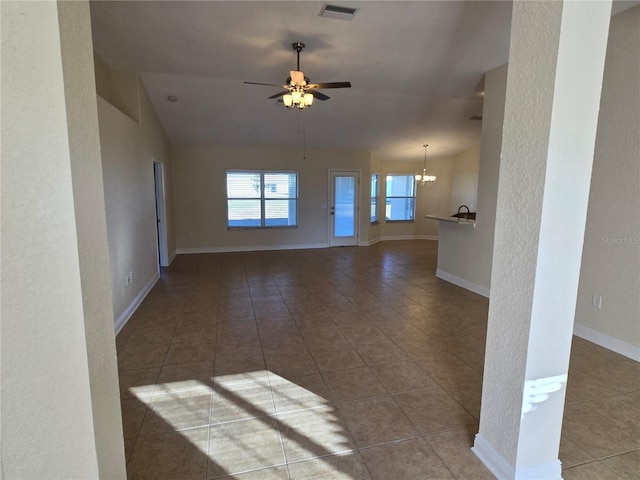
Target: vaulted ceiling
<point x="416" y="69"/>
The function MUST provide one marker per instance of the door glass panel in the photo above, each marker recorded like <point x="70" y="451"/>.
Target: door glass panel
<point x="344" y="221"/>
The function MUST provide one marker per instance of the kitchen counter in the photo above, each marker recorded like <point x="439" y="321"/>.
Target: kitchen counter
<point x="449" y="219"/>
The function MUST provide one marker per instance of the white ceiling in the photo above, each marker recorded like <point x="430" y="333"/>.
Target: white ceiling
<point x="416" y="70"/>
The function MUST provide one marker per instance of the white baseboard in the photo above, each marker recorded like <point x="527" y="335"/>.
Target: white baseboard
<point x="252" y="248"/>
<point x="461" y="282"/>
<point x="122" y="320"/>
<point x="369" y="242"/>
<point x="172" y="257"/>
<point x="255" y="248"/>
<point x="503" y="471"/>
<point x="610" y="343"/>
<point x="408" y="237"/>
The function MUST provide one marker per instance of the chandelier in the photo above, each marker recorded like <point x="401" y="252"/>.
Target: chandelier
<point x="424" y="179"/>
<point x="298" y="96"/>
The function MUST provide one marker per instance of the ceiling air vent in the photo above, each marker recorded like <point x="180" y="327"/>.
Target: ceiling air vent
<point x="335" y="11"/>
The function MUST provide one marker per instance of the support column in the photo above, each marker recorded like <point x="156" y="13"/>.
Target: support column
<point x="60" y="411"/>
<point x="556" y="63"/>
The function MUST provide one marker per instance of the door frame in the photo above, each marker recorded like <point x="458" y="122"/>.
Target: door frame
<point x="161" y="214"/>
<point x="349" y="241"/>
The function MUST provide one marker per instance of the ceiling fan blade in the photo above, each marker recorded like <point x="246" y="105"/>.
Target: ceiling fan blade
<point x="319" y="95"/>
<point x="331" y="85"/>
<point x="267" y="84"/>
<point x="297" y="77"/>
<point x="279" y="94"/>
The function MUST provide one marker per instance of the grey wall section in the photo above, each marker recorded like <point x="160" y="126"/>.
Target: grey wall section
<point x="200" y="195"/>
<point x="465" y="253"/>
<point x="611" y="255"/>
<point x="93" y="249"/>
<point x="129" y="148"/>
<point x="60" y="407"/>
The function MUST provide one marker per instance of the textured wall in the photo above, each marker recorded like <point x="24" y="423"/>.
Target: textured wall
<point x="88" y="194"/>
<point x="46" y="393"/>
<point x="464" y="182"/>
<point x="130" y="204"/>
<point x="467" y="252"/>
<point x="200" y="194"/>
<point x="554" y="80"/>
<point x="611" y="257"/>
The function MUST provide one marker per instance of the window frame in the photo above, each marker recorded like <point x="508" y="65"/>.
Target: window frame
<point x="412" y="197"/>
<point x="374" y="214"/>
<point x="262" y="198"/>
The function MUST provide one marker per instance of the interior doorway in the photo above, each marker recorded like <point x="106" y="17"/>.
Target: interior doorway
<point x="161" y="222"/>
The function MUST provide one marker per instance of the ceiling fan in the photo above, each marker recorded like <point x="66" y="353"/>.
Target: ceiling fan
<point x="299" y="92"/>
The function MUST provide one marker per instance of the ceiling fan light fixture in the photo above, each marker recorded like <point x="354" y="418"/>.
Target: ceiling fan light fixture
<point x="308" y="99"/>
<point x="287" y="100"/>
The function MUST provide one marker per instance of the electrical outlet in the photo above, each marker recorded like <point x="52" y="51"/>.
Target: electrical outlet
<point x="596" y="301"/>
<point x="130" y="278"/>
<point x="126" y="280"/>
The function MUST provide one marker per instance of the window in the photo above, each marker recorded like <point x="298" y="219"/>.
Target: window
<point x="401" y="197"/>
<point x="375" y="179"/>
<point x="262" y="199"/>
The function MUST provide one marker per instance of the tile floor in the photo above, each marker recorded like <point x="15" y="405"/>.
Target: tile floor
<point x="352" y="363"/>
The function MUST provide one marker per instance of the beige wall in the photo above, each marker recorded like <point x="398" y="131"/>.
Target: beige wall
<point x="200" y="201"/>
<point x="465" y="253"/>
<point x="611" y="255"/>
<point x="129" y="148"/>
<point x="464" y="182"/>
<point x="429" y="199"/>
<point x="200" y="195"/>
<point x="60" y="404"/>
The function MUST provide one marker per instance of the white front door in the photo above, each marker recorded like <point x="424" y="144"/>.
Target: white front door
<point x="343" y="208"/>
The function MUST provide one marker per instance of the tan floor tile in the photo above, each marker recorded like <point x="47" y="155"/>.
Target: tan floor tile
<point x="446" y="368"/>
<point x="288" y="364"/>
<point x="571" y="455"/>
<point x="241" y="401"/>
<point x="604" y="427"/>
<point x="354" y="384"/>
<point x="331" y="311"/>
<point x="313" y="433"/>
<point x="170" y="456"/>
<point x="381" y="352"/>
<point x="454" y="448"/>
<point x="349" y="466"/>
<point x="468" y="395"/>
<point x="187" y="376"/>
<point x="243" y="446"/>
<point x="190" y="352"/>
<point x="299" y="393"/>
<point x="138" y="383"/>
<point x="176" y="411"/>
<point x="403" y="376"/>
<point x="195" y="333"/>
<point x="406" y="459"/>
<point x="376" y="421"/>
<point x="581" y="387"/>
<point x="230" y="366"/>
<point x="434" y="410"/>
<point x="138" y="356"/>
<point x="333" y="359"/>
<point x="625" y="466"/>
<point x="133" y="411"/>
<point x="276" y="473"/>
<point x="590" y="471"/>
